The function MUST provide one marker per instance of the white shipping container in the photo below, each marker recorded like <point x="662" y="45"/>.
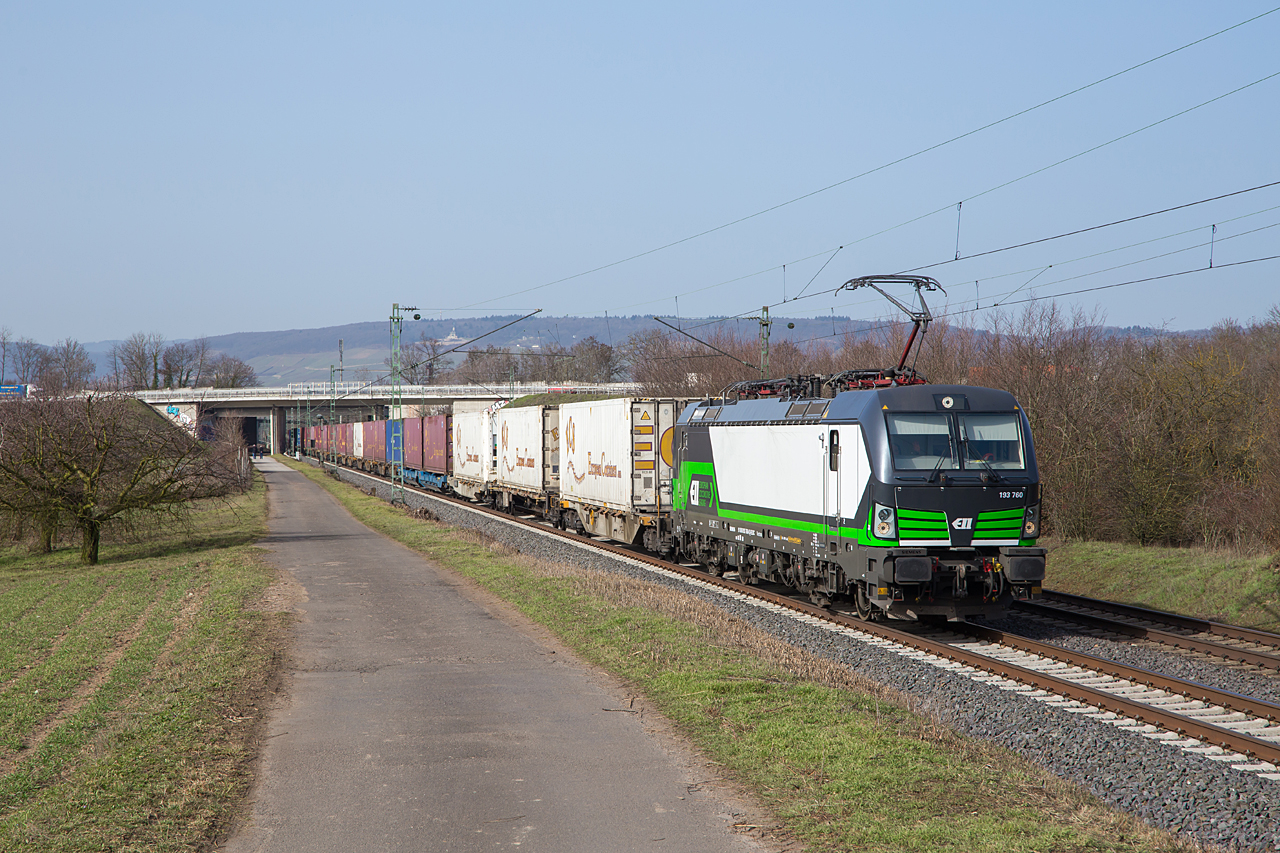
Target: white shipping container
<point x="610" y="452"/>
<point x="357" y="439"/>
<point x="528" y="457"/>
<point x="473" y="447"/>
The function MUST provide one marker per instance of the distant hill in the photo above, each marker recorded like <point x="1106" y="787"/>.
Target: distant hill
<point x="304" y="355"/>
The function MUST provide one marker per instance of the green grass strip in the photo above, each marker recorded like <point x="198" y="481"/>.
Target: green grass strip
<point x="38" y="693"/>
<point x="156" y="758"/>
<point x="34" y="616"/>
<point x="1225" y="585"/>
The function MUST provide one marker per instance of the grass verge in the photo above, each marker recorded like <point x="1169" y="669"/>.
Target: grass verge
<point x="130" y="691"/>
<point x="1222" y="585"/>
<point x="842" y="763"/>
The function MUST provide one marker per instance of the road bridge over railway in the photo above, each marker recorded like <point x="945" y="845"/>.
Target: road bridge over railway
<point x="279" y="408"/>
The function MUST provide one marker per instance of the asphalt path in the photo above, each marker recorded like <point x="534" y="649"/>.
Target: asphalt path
<point x="420" y="715"/>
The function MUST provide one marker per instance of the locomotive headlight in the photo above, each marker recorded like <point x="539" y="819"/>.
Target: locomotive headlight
<point x="885" y="524"/>
<point x="1031" y="522"/>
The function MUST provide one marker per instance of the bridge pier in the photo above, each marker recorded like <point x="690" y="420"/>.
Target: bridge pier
<point x="278" y="415"/>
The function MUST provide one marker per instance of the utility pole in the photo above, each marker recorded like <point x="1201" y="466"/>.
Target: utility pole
<point x="765" y="323"/>
<point x="333" y="409"/>
<point x="395" y="430"/>
<point x="307" y="388"/>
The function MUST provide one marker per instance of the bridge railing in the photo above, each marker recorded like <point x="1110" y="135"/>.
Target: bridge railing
<point x="360" y="391"/>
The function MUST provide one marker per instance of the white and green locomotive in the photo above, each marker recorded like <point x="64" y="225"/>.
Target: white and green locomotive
<point x="917" y="501"/>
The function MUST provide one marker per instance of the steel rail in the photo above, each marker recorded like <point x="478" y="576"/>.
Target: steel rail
<point x="1189" y="689"/>
<point x="1204" y="626"/>
<point x="1178" y="641"/>
<point x="1207" y="733"/>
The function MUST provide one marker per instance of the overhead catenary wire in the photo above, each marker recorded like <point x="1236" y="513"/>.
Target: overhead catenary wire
<point x="1078" y="231"/>
<point x="886" y="165"/>
<point x="1060" y="236"/>
<point x="1040" y="270"/>
<point x="1113" y="250"/>
<point x="882" y="323"/>
<point x="1002" y="299"/>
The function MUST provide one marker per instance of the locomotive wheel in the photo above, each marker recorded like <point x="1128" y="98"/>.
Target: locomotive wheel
<point x="862" y="606"/>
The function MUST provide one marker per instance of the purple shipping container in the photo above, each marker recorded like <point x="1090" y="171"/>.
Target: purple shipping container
<point x="413" y="443"/>
<point x="437" y="439"/>
<point x="375" y="440"/>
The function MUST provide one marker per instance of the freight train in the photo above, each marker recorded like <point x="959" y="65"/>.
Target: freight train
<point x="914" y="501"/>
<point x="871" y="487"/>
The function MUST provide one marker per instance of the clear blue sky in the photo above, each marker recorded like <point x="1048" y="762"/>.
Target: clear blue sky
<point x="199" y="169"/>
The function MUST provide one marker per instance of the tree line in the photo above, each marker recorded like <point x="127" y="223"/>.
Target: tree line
<point x="76" y="463"/>
<point x="1165" y="439"/>
<point x="141" y="362"/>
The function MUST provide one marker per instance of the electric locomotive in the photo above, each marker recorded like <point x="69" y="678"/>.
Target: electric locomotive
<point x="911" y="500"/>
<point x="916" y="501"/>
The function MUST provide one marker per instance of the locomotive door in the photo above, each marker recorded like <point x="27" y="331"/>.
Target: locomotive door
<point x="831" y="491"/>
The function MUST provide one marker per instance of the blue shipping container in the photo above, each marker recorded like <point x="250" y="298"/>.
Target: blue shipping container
<point x="395" y="441"/>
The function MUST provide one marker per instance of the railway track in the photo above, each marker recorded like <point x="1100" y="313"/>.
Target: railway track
<point x="1218" y="724"/>
<point x="1229" y="642"/>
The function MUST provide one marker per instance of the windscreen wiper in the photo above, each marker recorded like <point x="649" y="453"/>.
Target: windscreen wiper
<point x="968" y="457"/>
<point x="941" y="459"/>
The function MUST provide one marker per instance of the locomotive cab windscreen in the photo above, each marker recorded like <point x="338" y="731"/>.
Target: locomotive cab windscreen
<point x="955" y="441"/>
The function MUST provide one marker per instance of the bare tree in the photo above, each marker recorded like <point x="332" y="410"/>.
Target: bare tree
<point x="137" y="361"/>
<point x="105" y="460"/>
<point x="6" y="338"/>
<point x="421" y="362"/>
<point x="29" y="360"/>
<point x="595" y="361"/>
<point x="671" y="364"/>
<point x="201" y="357"/>
<point x="488" y="366"/>
<point x="549" y="363"/>
<point x="227" y="371"/>
<point x="68" y="368"/>
<point x="184" y="364"/>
